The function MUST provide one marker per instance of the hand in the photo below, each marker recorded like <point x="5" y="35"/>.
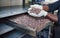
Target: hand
<point x="42" y="13"/>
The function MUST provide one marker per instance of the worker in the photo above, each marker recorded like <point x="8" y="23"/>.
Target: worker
<point x="55" y="18"/>
<point x="52" y="17"/>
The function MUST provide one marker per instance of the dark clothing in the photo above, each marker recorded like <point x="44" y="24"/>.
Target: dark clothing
<point x="57" y="29"/>
<point x="59" y="16"/>
<point x="53" y="7"/>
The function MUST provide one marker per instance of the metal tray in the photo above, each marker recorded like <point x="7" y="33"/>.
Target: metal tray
<point x="31" y="25"/>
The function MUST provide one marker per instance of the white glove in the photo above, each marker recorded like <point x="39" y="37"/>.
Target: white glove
<point x="42" y="13"/>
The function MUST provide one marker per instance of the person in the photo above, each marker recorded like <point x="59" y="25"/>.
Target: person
<point x="55" y="18"/>
<point x="52" y="17"/>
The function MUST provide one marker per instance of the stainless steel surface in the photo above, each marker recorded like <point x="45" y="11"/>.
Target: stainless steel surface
<point x="13" y="34"/>
<point x="5" y="28"/>
<point x="12" y="10"/>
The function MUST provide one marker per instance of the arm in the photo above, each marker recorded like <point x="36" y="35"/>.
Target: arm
<point x="51" y="8"/>
<point x="52" y="17"/>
